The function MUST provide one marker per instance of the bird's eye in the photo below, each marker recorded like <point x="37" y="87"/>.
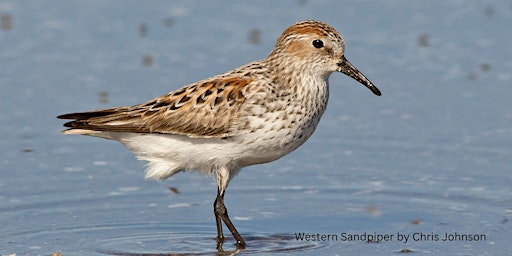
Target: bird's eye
<point x="317" y="43"/>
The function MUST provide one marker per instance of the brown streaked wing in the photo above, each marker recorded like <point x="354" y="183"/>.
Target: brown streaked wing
<point x="205" y="109"/>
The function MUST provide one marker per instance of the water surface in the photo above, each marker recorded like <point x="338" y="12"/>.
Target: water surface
<point x="430" y="157"/>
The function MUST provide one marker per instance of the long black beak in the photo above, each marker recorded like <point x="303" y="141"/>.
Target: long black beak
<point x="348" y="69"/>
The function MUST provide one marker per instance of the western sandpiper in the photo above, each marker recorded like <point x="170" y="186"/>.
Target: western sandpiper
<point x="253" y="114"/>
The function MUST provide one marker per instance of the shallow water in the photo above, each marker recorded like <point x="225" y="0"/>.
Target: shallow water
<point x="428" y="158"/>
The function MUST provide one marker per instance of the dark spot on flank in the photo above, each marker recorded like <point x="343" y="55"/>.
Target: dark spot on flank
<point x="207" y="93"/>
<point x="160" y="104"/>
<point x="236" y="95"/>
<point x="218" y="100"/>
<point x="149" y="112"/>
<point x="179" y="91"/>
<point x="173" y="107"/>
<point x="199" y="100"/>
<point x="184" y="99"/>
<point x="231" y="96"/>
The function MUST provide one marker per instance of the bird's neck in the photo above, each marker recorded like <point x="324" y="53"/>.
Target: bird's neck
<point x="285" y="67"/>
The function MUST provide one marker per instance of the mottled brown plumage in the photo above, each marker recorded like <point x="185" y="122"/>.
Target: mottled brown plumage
<point x="205" y="110"/>
<point x="253" y="114"/>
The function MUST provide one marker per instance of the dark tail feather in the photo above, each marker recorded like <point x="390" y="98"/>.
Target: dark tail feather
<point x="80" y="118"/>
<point x="87" y="115"/>
<point x="75" y="124"/>
<point x="95" y="120"/>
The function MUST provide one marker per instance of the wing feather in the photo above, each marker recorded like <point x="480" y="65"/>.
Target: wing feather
<point x="205" y="109"/>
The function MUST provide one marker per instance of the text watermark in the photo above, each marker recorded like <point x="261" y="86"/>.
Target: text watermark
<point x="375" y="237"/>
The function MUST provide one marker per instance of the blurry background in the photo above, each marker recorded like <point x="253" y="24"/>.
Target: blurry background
<point x="432" y="155"/>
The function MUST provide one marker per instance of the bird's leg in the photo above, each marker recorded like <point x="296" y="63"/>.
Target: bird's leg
<point x="221" y="213"/>
<point x="220" y="235"/>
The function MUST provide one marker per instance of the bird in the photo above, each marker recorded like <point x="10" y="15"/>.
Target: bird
<point x="253" y="114"/>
